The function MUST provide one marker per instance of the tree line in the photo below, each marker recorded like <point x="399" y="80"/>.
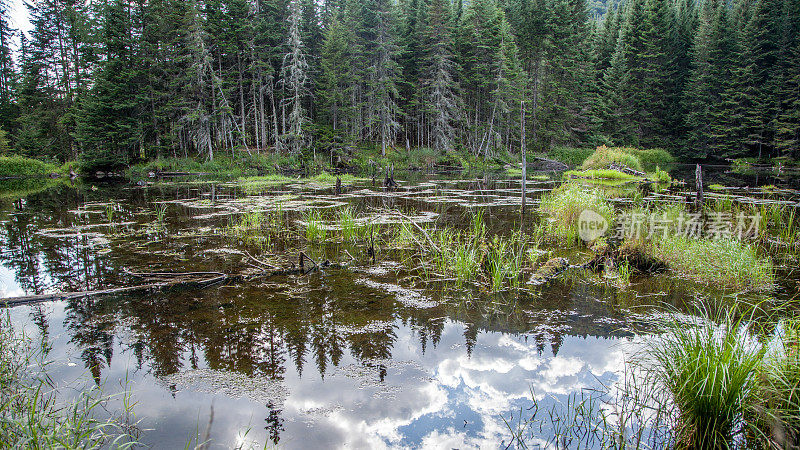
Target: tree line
<point x="118" y="81"/>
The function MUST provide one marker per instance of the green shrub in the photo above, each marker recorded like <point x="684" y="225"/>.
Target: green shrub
<point x="570" y="156"/>
<point x="661" y="176"/>
<point x="18" y="166"/>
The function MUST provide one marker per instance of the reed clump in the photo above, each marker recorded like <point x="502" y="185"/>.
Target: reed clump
<point x="315" y="230"/>
<point x="33" y="414"/>
<point x="565" y="204"/>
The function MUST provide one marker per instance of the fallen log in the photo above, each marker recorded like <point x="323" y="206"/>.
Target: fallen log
<point x="178" y="280"/>
<point x="60" y="296"/>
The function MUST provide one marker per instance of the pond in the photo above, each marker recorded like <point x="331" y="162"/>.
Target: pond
<point x="371" y="355"/>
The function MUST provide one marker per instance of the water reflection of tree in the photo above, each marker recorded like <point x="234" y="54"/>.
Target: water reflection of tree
<point x="92" y="330"/>
<point x="41" y="262"/>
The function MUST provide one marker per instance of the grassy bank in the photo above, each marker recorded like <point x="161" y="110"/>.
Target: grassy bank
<point x="241" y="164"/>
<point x="363" y="160"/>
<point x="634" y="158"/>
<point x="19" y="166"/>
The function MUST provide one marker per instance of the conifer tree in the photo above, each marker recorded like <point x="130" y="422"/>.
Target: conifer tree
<point x="8" y="75"/>
<point x="107" y="120"/>
<point x="443" y="102"/>
<point x="381" y="109"/>
<point x="336" y="62"/>
<point x="294" y="77"/>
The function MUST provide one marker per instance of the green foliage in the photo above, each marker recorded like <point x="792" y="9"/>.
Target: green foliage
<point x="315" y="230"/>
<point x="37" y="415"/>
<point x="4" y="146"/>
<point x="728" y="263"/>
<point x="570" y="156"/>
<point x="601" y="174"/>
<point x="633" y="158"/>
<point x="774" y="412"/>
<point x="660" y="176"/>
<point x="19" y="166"/>
<point x="351" y="229"/>
<point x="709" y="369"/>
<point x="565" y="205"/>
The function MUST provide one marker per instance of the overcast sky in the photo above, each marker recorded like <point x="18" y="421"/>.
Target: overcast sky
<point x="19" y="15"/>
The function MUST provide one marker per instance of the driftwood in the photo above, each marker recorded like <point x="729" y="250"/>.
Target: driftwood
<point x="195" y="283"/>
<point x="627" y="170"/>
<point x="169" y="280"/>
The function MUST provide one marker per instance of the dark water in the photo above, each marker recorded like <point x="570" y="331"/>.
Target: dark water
<point x="365" y="358"/>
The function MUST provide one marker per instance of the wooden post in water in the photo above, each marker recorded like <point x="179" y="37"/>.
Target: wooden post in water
<point x="698" y="174"/>
<point x="524" y="158"/>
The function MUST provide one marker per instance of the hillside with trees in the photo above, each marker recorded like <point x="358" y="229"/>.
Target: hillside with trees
<point x="116" y="82"/>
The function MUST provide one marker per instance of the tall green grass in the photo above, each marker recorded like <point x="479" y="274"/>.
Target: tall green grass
<point x="601" y="174"/>
<point x="33" y="414"/>
<point x="727" y="263"/>
<point x="565" y="205"/>
<point x="315" y="230"/>
<point x="709" y="367"/>
<point x="505" y="258"/>
<point x="774" y="415"/>
<point x="19" y="166"/>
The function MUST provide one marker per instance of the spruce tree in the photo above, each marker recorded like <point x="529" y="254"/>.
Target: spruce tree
<point x="107" y="121"/>
<point x="8" y="75"/>
<point x="294" y="78"/>
<point x="442" y="97"/>
<point x="336" y="63"/>
<point x="380" y="49"/>
<point x="762" y="39"/>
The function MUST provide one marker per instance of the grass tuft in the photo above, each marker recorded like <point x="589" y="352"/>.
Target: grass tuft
<point x="315" y="231"/>
<point x="35" y="415"/>
<point x="728" y="263"/>
<point x="565" y="205"/>
<point x="708" y="367"/>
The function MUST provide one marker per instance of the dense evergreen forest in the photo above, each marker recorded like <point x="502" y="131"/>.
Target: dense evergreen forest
<point x="114" y="82"/>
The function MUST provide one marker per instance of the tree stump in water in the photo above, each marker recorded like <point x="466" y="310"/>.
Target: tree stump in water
<point x="698" y="174"/>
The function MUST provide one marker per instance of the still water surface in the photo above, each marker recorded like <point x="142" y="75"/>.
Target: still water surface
<point x="369" y="357"/>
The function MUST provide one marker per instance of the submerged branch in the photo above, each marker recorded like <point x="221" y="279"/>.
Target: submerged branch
<point x="167" y="280"/>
